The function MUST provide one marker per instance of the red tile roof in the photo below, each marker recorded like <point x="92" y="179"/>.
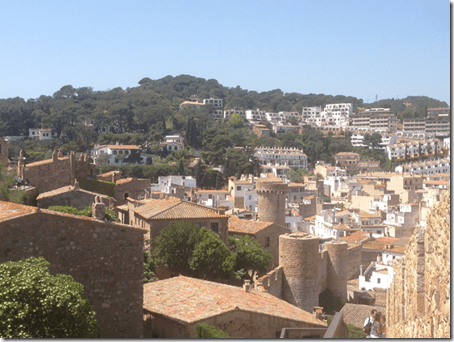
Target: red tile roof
<point x="379" y="243"/>
<point x="237" y="225"/>
<point x="356" y="236"/>
<point x="189" y="300"/>
<point x="8" y="210"/>
<point x="174" y="208"/>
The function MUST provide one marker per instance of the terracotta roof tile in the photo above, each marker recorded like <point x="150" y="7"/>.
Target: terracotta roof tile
<point x="189" y="300"/>
<point x="379" y="243"/>
<point x="237" y="225"/>
<point x="356" y="314"/>
<point x="8" y="210"/>
<point x="174" y="208"/>
<point x="356" y="236"/>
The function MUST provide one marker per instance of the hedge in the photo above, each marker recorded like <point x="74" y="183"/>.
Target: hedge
<point x="100" y="187"/>
<point x="203" y="330"/>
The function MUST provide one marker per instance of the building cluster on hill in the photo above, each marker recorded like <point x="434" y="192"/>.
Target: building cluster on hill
<point x="345" y="228"/>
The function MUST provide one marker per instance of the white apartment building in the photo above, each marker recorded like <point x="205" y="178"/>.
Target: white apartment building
<point x="376" y="119"/>
<point x="413" y="149"/>
<point x="278" y="128"/>
<point x="285" y="156"/>
<point x="255" y="115"/>
<point x="426" y="167"/>
<point x="312" y="115"/>
<point x="331" y="224"/>
<point x="215" y="198"/>
<point x="338" y="113"/>
<point x="216" y="103"/>
<point x="229" y="112"/>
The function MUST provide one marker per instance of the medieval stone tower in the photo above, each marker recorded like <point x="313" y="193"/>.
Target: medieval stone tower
<point x="298" y="256"/>
<point x="336" y="269"/>
<point x="305" y="271"/>
<point x="271" y="201"/>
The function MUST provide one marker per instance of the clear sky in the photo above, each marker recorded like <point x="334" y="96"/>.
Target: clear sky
<point x="361" y="48"/>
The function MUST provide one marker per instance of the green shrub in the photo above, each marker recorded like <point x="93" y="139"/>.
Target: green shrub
<point x="36" y="304"/>
<point x="111" y="215"/>
<point x="353" y="331"/>
<point x="203" y="330"/>
<point x="330" y="302"/>
<point x="87" y="211"/>
<point x="100" y="187"/>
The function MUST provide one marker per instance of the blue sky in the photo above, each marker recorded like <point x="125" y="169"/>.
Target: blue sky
<point x="365" y="49"/>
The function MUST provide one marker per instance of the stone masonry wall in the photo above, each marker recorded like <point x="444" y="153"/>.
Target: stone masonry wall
<point x="106" y="258"/>
<point x="78" y="199"/>
<point x="272" y="282"/>
<point x="418" y="302"/>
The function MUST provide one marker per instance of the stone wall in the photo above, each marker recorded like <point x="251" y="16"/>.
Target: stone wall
<point x="107" y="258"/>
<point x="418" y="303"/>
<point x="50" y="174"/>
<point x="131" y="187"/>
<point x="354" y="257"/>
<point x="237" y="323"/>
<point x="272" y="282"/>
<point x="271" y="202"/>
<point x="77" y="198"/>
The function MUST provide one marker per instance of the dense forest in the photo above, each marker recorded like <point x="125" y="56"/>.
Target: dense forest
<point x="151" y="110"/>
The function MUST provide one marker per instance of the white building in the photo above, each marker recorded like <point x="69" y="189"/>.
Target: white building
<point x="331" y="224"/>
<point x="312" y="115"/>
<point x="116" y="154"/>
<point x="164" y="182"/>
<point x="426" y="167"/>
<point x="229" y="112"/>
<point x="172" y="143"/>
<point x="255" y="115"/>
<point x="377" y="275"/>
<point x="284" y="156"/>
<point x="338" y="114"/>
<point x="216" y="103"/>
<point x="40" y="133"/>
<point x="215" y="198"/>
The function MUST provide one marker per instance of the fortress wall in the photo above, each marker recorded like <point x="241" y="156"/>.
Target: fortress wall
<point x="354" y="259"/>
<point x="322" y="271"/>
<point x="418" y="302"/>
<point x="272" y="282"/>
<point x="106" y="258"/>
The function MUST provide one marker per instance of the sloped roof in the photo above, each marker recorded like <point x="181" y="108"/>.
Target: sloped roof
<point x="188" y="300"/>
<point x="9" y="210"/>
<point x="356" y="314"/>
<point x="174" y="208"/>
<point x="356" y="236"/>
<point x="237" y="225"/>
<point x="379" y="243"/>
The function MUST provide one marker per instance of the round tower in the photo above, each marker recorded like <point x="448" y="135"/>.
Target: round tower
<point x="298" y="256"/>
<point x="337" y="268"/>
<point x="271" y="201"/>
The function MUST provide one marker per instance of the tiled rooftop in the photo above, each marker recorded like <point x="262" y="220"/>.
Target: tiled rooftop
<point x="174" y="208"/>
<point x="379" y="243"/>
<point x="237" y="225"/>
<point x="8" y="210"/>
<point x="44" y="162"/>
<point x="356" y="314"/>
<point x="189" y="300"/>
<point x="356" y="236"/>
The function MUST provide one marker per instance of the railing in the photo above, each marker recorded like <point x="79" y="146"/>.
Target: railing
<point x="337" y="329"/>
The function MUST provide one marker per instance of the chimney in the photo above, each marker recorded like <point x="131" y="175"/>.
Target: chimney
<point x="117" y="143"/>
<point x="247" y="285"/>
<point x="76" y="185"/>
<point x="221" y="209"/>
<point x="318" y="312"/>
<point x="360" y="270"/>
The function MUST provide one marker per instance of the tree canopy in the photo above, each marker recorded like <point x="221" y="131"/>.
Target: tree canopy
<point x="36" y="304"/>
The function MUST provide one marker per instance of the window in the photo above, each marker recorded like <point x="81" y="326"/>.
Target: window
<point x="198" y="225"/>
<point x="126" y="195"/>
<point x="214" y="226"/>
<point x="378" y="280"/>
<point x="238" y="187"/>
<point x="267" y="241"/>
<point x="210" y="196"/>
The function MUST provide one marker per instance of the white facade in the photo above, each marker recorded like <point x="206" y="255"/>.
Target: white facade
<point x="312" y="115"/>
<point x="331" y="224"/>
<point x="164" y="182"/>
<point x="426" y="167"/>
<point x="40" y="133"/>
<point x="229" y="112"/>
<point x="216" y="103"/>
<point x="255" y="115"/>
<point x="285" y="156"/>
<point x="338" y="114"/>
<point x="214" y="198"/>
<point x="114" y="154"/>
<point x="376" y="276"/>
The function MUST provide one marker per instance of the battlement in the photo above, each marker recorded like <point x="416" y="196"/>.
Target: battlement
<point x="271" y="187"/>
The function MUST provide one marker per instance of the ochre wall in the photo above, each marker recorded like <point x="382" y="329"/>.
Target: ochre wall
<point x="418" y="303"/>
<point x="106" y="258"/>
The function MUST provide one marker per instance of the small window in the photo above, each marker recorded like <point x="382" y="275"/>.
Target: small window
<point x="210" y="196"/>
<point x="238" y="187"/>
<point x="214" y="226"/>
<point x="198" y="225"/>
<point x="267" y="241"/>
<point x="126" y="195"/>
<point x="378" y="280"/>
